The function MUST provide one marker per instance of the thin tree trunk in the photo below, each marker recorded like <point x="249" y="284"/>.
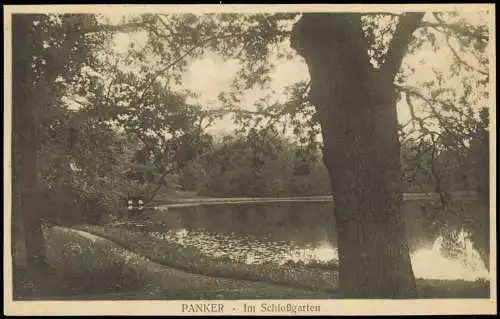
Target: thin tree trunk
<point x="356" y="105"/>
<point x="26" y="206"/>
<point x="481" y="229"/>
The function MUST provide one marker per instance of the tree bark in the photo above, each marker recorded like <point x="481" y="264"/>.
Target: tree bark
<point x="26" y="207"/>
<point x="356" y="105"/>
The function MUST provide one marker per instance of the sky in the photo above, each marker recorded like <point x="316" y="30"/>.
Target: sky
<point x="212" y="75"/>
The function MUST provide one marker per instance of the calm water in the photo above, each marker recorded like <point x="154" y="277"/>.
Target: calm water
<point x="281" y="232"/>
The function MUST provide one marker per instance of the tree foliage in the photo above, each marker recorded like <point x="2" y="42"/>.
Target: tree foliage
<point x="104" y="132"/>
<point x="258" y="164"/>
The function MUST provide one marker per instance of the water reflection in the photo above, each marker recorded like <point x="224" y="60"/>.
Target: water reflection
<point x="247" y="249"/>
<point x="431" y="263"/>
<point x="300" y="232"/>
<point x="323" y="252"/>
<point x="304" y="223"/>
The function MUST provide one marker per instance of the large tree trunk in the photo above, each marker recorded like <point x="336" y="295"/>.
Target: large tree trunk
<point x="26" y="207"/>
<point x="356" y="106"/>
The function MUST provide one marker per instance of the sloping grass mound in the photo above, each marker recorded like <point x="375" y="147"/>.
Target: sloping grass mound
<point x="87" y="267"/>
<point x="78" y="264"/>
<point x="191" y="260"/>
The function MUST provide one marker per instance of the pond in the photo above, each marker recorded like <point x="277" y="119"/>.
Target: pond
<point x="300" y="232"/>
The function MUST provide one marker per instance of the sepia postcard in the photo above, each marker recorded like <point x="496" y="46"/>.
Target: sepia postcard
<point x="249" y="159"/>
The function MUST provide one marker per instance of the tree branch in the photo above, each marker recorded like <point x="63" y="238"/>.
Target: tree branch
<point x="457" y="28"/>
<point x="435" y="113"/>
<point x="126" y="27"/>
<point x="188" y="52"/>
<point x="462" y="61"/>
<point x="441" y="24"/>
<point x="152" y="192"/>
<point x="382" y="13"/>
<point x="402" y="37"/>
<point x="224" y="111"/>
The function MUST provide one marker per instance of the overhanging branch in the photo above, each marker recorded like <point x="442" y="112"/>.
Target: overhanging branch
<point x="126" y="27"/>
<point x="462" y="61"/>
<point x="440" y="25"/>
<point x="408" y="23"/>
<point x="173" y="63"/>
<point x="459" y="29"/>
<point x="435" y="113"/>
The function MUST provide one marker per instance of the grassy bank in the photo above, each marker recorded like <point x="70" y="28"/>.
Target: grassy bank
<point x="77" y="266"/>
<point x="86" y="267"/>
<point x="312" y="278"/>
<point x="191" y="260"/>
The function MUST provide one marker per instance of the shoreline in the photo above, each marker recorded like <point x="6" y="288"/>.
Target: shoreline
<point x="293" y="276"/>
<point x="199" y="201"/>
